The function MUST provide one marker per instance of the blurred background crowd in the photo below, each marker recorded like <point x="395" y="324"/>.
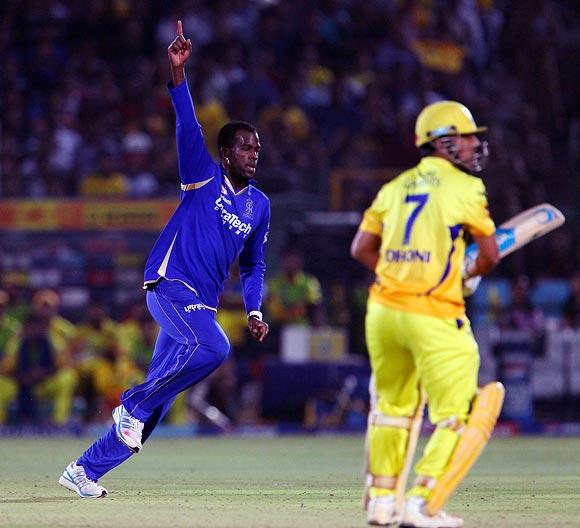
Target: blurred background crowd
<point x="334" y="88"/>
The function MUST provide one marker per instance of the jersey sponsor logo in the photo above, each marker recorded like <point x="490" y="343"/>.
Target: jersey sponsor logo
<point x="193" y="307"/>
<point x="232" y="220"/>
<point x="407" y="255"/>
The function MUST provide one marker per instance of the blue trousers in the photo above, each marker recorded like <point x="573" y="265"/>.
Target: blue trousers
<point x="189" y="347"/>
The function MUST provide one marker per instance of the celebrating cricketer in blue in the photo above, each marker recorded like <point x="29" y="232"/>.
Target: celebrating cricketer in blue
<point x="221" y="216"/>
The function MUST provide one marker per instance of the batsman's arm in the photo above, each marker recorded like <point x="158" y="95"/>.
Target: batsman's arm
<point x="487" y="258"/>
<point x="365" y="249"/>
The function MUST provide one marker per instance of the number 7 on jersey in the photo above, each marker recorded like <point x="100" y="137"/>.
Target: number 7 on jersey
<point x="421" y="200"/>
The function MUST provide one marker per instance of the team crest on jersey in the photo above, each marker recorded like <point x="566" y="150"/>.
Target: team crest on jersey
<point x="249" y="212"/>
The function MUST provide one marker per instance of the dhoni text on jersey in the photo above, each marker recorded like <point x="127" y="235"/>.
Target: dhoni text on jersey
<point x="407" y="255"/>
<point x="232" y="220"/>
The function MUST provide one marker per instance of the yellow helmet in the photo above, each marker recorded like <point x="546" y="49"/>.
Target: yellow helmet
<point x="444" y="118"/>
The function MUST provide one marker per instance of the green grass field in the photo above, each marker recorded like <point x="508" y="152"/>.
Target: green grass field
<point x="274" y="482"/>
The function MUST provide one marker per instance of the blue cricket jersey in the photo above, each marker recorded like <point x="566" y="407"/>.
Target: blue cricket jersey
<point x="213" y="224"/>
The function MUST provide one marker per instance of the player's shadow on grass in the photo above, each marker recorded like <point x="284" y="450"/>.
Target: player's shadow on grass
<point x="35" y="500"/>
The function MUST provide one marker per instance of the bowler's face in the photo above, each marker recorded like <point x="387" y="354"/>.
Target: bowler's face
<point x="244" y="154"/>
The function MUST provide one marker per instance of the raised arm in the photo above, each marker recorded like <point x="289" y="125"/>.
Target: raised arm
<point x="195" y="162"/>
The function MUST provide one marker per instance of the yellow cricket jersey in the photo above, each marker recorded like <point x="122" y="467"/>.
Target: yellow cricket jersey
<point x="420" y="217"/>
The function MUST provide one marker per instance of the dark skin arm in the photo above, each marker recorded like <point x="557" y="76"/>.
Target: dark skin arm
<point x="178" y="52"/>
<point x="486" y="260"/>
<point x="365" y="249"/>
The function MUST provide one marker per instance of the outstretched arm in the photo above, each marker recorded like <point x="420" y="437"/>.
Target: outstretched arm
<point x="195" y="162"/>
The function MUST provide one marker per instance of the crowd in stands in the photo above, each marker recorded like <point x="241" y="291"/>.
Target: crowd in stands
<point x="330" y="85"/>
<point x="55" y="372"/>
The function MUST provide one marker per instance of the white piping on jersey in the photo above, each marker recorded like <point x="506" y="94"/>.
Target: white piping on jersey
<point x="163" y="267"/>
<point x="194" y="186"/>
<point x="229" y="184"/>
<point x="163" y="270"/>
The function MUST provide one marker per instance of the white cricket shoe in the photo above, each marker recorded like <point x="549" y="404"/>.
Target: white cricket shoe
<point x="75" y="479"/>
<point x="415" y="516"/>
<point x="381" y="511"/>
<point x="128" y="429"/>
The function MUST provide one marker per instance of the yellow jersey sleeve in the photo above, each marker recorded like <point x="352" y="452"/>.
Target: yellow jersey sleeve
<point x="372" y="221"/>
<point x="477" y="218"/>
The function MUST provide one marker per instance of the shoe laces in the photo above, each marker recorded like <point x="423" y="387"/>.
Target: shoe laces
<point x="131" y="423"/>
<point x="80" y="478"/>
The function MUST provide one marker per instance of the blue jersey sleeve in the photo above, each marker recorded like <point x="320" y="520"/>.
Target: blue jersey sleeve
<point x="253" y="266"/>
<point x="195" y="163"/>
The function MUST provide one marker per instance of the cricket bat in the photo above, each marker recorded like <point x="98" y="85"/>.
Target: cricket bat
<point x="522" y="229"/>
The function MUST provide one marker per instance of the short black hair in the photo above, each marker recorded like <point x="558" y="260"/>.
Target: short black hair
<point x="426" y="150"/>
<point x="228" y="131"/>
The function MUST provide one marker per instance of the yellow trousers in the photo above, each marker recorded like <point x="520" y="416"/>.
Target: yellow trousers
<point x="406" y="348"/>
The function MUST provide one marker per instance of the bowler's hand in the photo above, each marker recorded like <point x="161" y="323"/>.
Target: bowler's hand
<point x="258" y="329"/>
<point x="180" y="49"/>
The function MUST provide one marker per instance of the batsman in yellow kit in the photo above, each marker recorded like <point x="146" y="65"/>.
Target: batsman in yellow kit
<point x="417" y="333"/>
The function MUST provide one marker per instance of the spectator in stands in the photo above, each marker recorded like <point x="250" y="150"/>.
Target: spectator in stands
<point x="572" y="304"/>
<point x="104" y="370"/>
<point x="107" y="180"/>
<point x="61" y="334"/>
<point x="521" y="314"/>
<point x="32" y="361"/>
<point x="15" y="286"/>
<point x="136" y="145"/>
<point x="137" y="334"/>
<point x="294" y="296"/>
<point x="9" y="327"/>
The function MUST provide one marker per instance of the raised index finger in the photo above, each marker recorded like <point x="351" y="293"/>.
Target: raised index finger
<point x="179" y="29"/>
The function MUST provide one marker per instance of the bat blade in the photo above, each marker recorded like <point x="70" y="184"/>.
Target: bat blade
<point x="522" y="229"/>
